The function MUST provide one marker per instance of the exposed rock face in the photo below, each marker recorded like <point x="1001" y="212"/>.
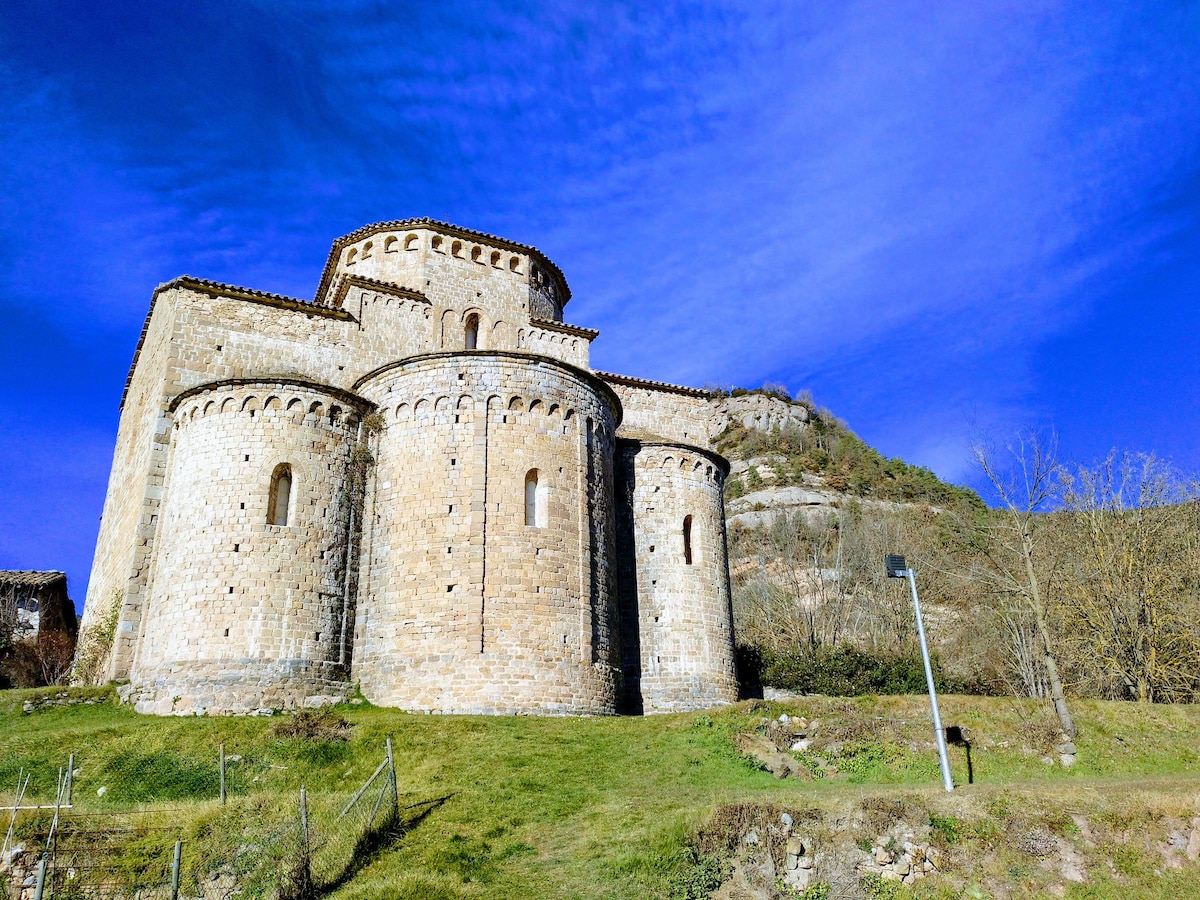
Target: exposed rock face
<point x="757" y="411"/>
<point x="778" y="763"/>
<point x="762" y="506"/>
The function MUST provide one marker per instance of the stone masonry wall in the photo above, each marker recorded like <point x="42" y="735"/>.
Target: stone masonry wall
<point x="457" y="603"/>
<point x="549" y="342"/>
<point x="673" y="414"/>
<point x="465" y="607"/>
<point x="678" y="645"/>
<point x="461" y="278"/>
<point x="242" y="614"/>
<point x="195" y="336"/>
<point x="131" y="503"/>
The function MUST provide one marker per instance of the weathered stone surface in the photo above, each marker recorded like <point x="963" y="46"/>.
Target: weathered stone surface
<point x="406" y="562"/>
<point x="757" y="411"/>
<point x="781" y="765"/>
<point x="1193" y="844"/>
<point x="677" y="636"/>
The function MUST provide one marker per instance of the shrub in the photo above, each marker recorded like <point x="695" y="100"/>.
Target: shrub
<point x="38" y="662"/>
<point x="842" y="671"/>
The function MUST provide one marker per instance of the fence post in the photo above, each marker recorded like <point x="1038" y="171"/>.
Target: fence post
<point x="22" y="786"/>
<point x="304" y="817"/>
<point x="222" y="774"/>
<point x="175" y="869"/>
<point x="58" y="798"/>
<point x="71" y="780"/>
<point x="392" y="766"/>
<point x="41" y="876"/>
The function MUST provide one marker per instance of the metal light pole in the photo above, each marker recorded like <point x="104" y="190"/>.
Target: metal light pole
<point x="896" y="568"/>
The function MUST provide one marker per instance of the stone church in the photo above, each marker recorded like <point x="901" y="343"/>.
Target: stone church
<point x="415" y="485"/>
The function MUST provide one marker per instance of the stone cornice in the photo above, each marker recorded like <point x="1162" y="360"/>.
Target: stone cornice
<point x="648" y="441"/>
<point x="645" y="384"/>
<point x="531" y="358"/>
<point x="269" y="380"/>
<point x="335" y="252"/>
<point x="574" y="330"/>
<point x="217" y="289"/>
<point x="348" y="281"/>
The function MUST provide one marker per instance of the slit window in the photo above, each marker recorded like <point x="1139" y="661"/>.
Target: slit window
<point x="472" y="334"/>
<point x="535" y="500"/>
<point x="687" y="540"/>
<point x="281" y="495"/>
<point x="531" y="486"/>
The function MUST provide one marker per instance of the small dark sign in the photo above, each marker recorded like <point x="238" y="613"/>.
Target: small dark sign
<point x="958" y="735"/>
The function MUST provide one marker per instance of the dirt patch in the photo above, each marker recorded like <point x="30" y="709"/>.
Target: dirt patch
<point x="313" y="725"/>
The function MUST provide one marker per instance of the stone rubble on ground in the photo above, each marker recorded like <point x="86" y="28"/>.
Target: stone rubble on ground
<point x="909" y="864"/>
<point x="59" y="698"/>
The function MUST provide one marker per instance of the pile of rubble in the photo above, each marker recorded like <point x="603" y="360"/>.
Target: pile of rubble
<point x="906" y="863"/>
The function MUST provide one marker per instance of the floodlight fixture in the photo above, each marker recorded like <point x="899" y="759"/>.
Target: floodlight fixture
<point x="896" y="568"/>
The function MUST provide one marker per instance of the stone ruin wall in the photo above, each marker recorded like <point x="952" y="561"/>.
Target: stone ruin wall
<point x="678" y="635"/>
<point x="242" y="614"/>
<point x="467" y="608"/>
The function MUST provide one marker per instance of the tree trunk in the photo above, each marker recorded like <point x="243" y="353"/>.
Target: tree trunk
<point x="1056" y="688"/>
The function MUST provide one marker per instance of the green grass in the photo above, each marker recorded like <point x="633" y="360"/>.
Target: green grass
<point x="606" y="807"/>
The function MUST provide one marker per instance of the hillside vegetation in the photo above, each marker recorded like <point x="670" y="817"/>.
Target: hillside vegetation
<point x="825" y="448"/>
<point x="655" y="807"/>
<point x="1074" y="580"/>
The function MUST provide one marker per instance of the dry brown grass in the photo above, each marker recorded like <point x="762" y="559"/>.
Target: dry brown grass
<point x="313" y="725"/>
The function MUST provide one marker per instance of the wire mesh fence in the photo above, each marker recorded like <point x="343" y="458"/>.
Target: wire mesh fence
<point x="126" y="826"/>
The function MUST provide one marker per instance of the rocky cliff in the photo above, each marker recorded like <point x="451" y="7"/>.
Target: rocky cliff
<point x="789" y="456"/>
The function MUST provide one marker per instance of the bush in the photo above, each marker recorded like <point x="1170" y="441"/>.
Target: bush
<point x="37" y="662"/>
<point x="843" y="671"/>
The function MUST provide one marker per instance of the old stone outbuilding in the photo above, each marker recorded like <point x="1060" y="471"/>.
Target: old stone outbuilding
<point x="414" y="483"/>
<point x="35" y="602"/>
<point x="37" y="626"/>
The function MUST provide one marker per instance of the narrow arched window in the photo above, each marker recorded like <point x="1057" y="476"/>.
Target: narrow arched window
<point x="472" y="332"/>
<point x="687" y="540"/>
<point x="281" y="495"/>
<point x="531" y="497"/>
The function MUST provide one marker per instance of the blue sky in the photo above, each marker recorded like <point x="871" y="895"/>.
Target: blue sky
<point x="939" y="218"/>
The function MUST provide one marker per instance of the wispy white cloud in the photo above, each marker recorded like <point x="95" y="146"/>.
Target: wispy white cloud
<point x="898" y="205"/>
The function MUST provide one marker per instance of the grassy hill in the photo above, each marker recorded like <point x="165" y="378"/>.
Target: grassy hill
<point x="622" y="807"/>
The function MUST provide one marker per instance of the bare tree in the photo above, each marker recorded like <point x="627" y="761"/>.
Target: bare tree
<point x="884" y="615"/>
<point x="794" y="592"/>
<point x="1137" y="546"/>
<point x="816" y="580"/>
<point x="1009" y="550"/>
